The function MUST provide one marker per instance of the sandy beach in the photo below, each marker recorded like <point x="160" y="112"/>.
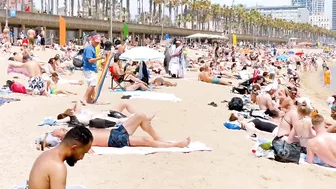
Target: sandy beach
<point x="230" y="165"/>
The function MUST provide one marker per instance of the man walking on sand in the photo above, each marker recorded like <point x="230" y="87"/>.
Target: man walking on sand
<point x="49" y="170"/>
<point x="90" y="69"/>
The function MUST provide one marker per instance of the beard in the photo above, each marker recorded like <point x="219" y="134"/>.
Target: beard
<point x="71" y="161"/>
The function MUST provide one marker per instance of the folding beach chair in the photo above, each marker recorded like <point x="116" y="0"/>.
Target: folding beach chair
<point x="119" y="82"/>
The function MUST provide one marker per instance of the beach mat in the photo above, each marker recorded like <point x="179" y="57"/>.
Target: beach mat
<point x="194" y="146"/>
<point x="151" y="96"/>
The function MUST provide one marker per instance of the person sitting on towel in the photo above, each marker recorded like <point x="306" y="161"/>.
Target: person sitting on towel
<point x="207" y="76"/>
<point x="84" y="116"/>
<point x="122" y="135"/>
<point x="49" y="170"/>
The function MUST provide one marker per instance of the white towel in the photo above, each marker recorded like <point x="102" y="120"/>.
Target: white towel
<point x="194" y="146"/>
<point x="152" y="96"/>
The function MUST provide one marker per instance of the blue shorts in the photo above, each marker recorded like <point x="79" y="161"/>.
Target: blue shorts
<point x="118" y="137"/>
<point x="215" y="80"/>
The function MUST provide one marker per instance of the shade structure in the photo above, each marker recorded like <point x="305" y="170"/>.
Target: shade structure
<point x="208" y="36"/>
<point x="142" y="54"/>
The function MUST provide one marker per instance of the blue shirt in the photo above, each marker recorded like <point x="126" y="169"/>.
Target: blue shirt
<point x="89" y="52"/>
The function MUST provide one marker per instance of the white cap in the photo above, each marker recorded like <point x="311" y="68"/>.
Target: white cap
<point x="270" y="87"/>
<point x="307" y="100"/>
<point x="330" y="101"/>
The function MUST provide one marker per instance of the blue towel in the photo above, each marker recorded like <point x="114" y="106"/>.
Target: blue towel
<point x="232" y="125"/>
<point x="5" y="91"/>
<point x="48" y="122"/>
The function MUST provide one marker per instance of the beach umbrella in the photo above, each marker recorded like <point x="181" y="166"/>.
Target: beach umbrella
<point x="291" y="52"/>
<point x="142" y="54"/>
<point x="282" y="57"/>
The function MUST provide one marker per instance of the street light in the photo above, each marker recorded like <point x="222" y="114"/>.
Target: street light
<point x="163" y="8"/>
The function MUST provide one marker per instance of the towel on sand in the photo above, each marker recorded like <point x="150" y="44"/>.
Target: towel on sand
<point x="152" y="96"/>
<point x="194" y="146"/>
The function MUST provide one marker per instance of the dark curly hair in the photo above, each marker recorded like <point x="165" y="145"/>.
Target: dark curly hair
<point x="79" y="134"/>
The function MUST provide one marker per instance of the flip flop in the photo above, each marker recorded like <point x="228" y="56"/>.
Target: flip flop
<point x="213" y="104"/>
<point x="126" y="97"/>
<point x="224" y="101"/>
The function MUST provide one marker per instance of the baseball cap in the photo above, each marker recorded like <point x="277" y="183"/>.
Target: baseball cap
<point x="270" y="87"/>
<point x="96" y="38"/>
<point x="307" y="100"/>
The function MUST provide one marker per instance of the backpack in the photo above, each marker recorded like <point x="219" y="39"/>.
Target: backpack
<point x="101" y="123"/>
<point x="236" y="103"/>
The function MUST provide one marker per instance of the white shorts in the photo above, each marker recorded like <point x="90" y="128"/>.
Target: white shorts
<point x="91" y="78"/>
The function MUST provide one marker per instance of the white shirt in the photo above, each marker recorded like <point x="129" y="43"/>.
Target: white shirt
<point x="271" y="69"/>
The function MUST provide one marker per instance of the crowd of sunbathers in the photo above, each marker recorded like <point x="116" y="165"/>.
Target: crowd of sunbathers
<point x="274" y="106"/>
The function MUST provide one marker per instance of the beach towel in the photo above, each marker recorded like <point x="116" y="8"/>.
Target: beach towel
<point x="151" y="96"/>
<point x="8" y="100"/>
<point x="22" y="71"/>
<point x="194" y="146"/>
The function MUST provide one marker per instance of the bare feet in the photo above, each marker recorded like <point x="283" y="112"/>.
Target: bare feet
<point x="183" y="143"/>
<point x="175" y="84"/>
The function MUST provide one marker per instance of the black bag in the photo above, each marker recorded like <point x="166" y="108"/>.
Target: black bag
<point x="241" y="90"/>
<point x="74" y="122"/>
<point x="101" y="123"/>
<point x="78" y="61"/>
<point x="236" y="103"/>
<point x="116" y="114"/>
<point x="284" y="152"/>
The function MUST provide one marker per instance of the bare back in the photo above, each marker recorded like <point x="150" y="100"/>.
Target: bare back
<point x="265" y="101"/>
<point x="324" y="147"/>
<point x="47" y="168"/>
<point x="304" y="131"/>
<point x="205" y="76"/>
<point x="34" y="68"/>
<point x="287" y="122"/>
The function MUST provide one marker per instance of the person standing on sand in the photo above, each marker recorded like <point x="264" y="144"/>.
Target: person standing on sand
<point x="326" y="76"/>
<point x="90" y="69"/>
<point x="36" y="85"/>
<point x="42" y="39"/>
<point x="49" y="170"/>
<point x="31" y="37"/>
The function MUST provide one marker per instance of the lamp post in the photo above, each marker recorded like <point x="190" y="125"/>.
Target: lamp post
<point x="163" y="8"/>
<point x="6" y="9"/>
<point x="111" y="20"/>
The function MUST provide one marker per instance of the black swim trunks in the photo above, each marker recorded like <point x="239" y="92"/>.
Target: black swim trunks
<point x="42" y="41"/>
<point x="118" y="137"/>
<point x="36" y="84"/>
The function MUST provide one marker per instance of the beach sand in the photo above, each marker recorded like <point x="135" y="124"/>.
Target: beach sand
<point x="230" y="165"/>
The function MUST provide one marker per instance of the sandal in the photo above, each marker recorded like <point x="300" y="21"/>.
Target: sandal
<point x="213" y="104"/>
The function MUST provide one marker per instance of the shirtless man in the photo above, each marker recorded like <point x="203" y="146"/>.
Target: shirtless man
<point x="52" y="86"/>
<point x="206" y="76"/>
<point x="122" y="135"/>
<point x="323" y="145"/>
<point x="49" y="170"/>
<point x="36" y="85"/>
<point x="265" y="99"/>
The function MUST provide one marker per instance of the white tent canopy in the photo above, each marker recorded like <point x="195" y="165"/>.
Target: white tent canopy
<point x="209" y="36"/>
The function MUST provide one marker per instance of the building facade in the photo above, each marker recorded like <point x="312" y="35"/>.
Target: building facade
<point x="317" y="7"/>
<point x="333" y="17"/>
<point x="298" y="14"/>
<point x="320" y="21"/>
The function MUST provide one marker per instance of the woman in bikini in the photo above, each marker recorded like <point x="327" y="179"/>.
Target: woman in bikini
<point x="84" y="115"/>
<point x="302" y="131"/>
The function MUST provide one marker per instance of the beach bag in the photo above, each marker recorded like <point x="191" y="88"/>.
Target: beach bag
<point x="18" y="88"/>
<point x="78" y="61"/>
<point x="101" y="123"/>
<point x="284" y="152"/>
<point x="74" y="122"/>
<point x="236" y="104"/>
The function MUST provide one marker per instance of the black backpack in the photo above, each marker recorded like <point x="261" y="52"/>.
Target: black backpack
<point x="236" y="103"/>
